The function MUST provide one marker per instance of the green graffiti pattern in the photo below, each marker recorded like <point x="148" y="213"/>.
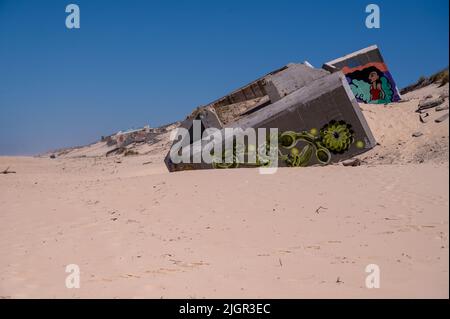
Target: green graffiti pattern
<point x="337" y="136"/>
<point x="302" y="158"/>
<point x="361" y="90"/>
<point x="333" y="138"/>
<point x="263" y="155"/>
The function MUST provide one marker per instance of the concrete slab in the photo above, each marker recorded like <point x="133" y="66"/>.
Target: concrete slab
<point x="368" y="76"/>
<point x="323" y="115"/>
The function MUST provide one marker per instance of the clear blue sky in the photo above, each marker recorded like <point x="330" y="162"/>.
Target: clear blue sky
<point x="151" y="62"/>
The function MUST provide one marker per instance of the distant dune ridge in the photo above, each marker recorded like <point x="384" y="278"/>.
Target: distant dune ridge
<point x="440" y="78"/>
<point x="138" y="231"/>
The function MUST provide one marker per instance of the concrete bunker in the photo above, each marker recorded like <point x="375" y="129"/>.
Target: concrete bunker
<point x="315" y="109"/>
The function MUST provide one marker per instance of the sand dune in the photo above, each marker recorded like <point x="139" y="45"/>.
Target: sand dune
<point x="137" y="231"/>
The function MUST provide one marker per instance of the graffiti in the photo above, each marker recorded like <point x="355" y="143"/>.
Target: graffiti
<point x="336" y="137"/>
<point x="372" y="83"/>
<point x="302" y="158"/>
<point x="263" y="154"/>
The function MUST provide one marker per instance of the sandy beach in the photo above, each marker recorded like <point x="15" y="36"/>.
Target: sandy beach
<point x="138" y="231"/>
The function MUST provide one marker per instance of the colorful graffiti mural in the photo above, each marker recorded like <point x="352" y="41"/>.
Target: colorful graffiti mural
<point x="335" y="137"/>
<point x="372" y="83"/>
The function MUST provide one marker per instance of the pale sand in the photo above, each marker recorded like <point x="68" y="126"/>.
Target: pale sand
<point x="138" y="231"/>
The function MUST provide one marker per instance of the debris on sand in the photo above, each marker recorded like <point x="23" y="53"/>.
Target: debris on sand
<point x="428" y="104"/>
<point x="422" y="117"/>
<point x="441" y="118"/>
<point x="117" y="150"/>
<point x="441" y="108"/>
<point x="352" y="162"/>
<point x="319" y="208"/>
<point x="7" y="171"/>
<point x="417" y="134"/>
<point x="129" y="152"/>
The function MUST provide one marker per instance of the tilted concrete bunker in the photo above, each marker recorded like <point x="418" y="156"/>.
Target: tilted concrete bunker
<point x="316" y="113"/>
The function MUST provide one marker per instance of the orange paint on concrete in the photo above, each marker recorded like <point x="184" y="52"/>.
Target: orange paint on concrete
<point x="379" y="65"/>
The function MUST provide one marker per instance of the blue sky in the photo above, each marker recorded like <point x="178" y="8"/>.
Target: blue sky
<point x="134" y="62"/>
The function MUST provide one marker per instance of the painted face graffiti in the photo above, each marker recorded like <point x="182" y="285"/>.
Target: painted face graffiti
<point x="376" y="90"/>
<point x="372" y="84"/>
